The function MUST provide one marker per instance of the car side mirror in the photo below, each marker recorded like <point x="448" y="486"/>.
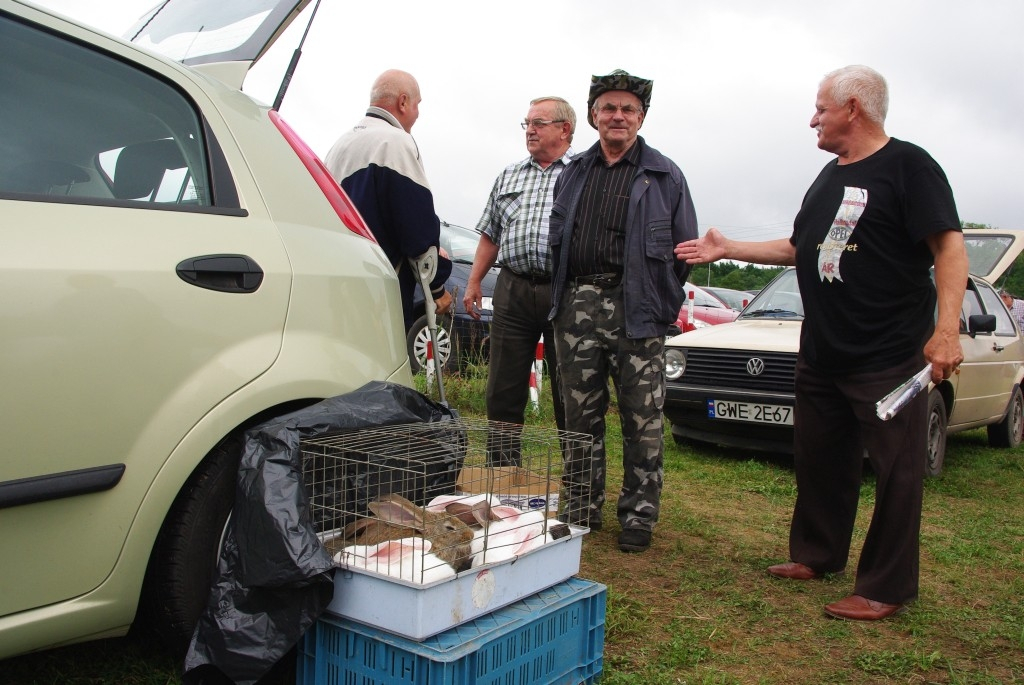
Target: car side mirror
<point x="981" y="323"/>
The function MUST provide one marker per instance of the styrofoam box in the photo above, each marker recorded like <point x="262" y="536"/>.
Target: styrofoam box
<point x="417" y="611"/>
<point x="553" y="637"/>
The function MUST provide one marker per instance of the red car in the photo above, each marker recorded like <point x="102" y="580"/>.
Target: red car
<point x="702" y="309"/>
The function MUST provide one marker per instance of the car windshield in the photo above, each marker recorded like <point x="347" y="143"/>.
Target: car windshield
<point x="702" y="298"/>
<point x="459" y="242"/>
<point x="780" y="299"/>
<point x="733" y="298"/>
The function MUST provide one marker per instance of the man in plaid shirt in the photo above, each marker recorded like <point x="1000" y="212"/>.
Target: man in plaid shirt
<point x="1015" y="306"/>
<point x="514" y="229"/>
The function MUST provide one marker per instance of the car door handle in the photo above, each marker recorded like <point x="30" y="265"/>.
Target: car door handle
<point x="996" y="347"/>
<point x="229" y="273"/>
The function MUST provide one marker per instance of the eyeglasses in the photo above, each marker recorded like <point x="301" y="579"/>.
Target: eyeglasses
<point x="539" y="123"/>
<point x="627" y="110"/>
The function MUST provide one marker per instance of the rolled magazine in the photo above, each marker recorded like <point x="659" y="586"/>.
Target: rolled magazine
<point x="890" y="405"/>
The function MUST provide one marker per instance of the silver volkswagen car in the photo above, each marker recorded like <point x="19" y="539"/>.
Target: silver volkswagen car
<point x="732" y="384"/>
<point x="177" y="267"/>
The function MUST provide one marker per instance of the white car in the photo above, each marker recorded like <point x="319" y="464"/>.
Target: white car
<point x="177" y="266"/>
<point x="732" y="384"/>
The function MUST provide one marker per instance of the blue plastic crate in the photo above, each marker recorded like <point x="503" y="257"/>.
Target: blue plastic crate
<point x="555" y="637"/>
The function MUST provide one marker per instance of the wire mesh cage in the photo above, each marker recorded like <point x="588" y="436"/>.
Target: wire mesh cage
<point x="422" y="502"/>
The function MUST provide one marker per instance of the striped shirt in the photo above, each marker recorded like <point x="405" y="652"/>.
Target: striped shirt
<point x="599" y="235"/>
<point x="517" y="213"/>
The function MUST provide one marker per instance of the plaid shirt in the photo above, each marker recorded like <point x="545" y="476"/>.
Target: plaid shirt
<point x="1017" y="310"/>
<point x="517" y="213"/>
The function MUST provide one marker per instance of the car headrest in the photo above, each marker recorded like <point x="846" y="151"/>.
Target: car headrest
<point x="142" y="166"/>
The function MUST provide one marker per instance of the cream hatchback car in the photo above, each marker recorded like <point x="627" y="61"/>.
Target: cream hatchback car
<point x="733" y="384"/>
<point x="177" y="267"/>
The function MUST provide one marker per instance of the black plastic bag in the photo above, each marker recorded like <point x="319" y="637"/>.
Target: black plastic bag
<point x="274" y="578"/>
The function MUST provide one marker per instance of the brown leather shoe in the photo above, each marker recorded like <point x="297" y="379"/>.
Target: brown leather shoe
<point x="857" y="608"/>
<point x="793" y="570"/>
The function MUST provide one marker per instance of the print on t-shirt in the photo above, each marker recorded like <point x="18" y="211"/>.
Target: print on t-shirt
<point x="854" y="202"/>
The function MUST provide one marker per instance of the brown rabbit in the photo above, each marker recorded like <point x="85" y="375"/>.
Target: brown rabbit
<point x="397" y="517"/>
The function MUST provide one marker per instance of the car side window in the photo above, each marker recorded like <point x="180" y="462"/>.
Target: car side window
<point x="971" y="306"/>
<point x="82" y="126"/>
<point x="993" y="305"/>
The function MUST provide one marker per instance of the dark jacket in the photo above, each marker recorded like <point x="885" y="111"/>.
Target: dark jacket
<point x="660" y="215"/>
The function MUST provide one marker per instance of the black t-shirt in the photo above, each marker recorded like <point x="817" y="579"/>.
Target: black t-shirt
<point x="862" y="260"/>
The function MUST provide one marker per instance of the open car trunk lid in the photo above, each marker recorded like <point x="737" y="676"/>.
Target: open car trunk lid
<point x="222" y="38"/>
<point x="991" y="251"/>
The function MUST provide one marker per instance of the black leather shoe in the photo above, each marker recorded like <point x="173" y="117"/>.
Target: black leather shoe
<point x="634" y="540"/>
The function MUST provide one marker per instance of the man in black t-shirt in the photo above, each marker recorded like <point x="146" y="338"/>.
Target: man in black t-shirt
<point x="871" y="226"/>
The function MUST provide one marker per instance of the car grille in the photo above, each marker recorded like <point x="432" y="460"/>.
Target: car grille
<point x="728" y="368"/>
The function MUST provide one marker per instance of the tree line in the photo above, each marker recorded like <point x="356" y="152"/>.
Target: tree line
<point x="750" y="277"/>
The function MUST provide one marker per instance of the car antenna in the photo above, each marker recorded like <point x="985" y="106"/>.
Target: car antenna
<point x="295" y="61"/>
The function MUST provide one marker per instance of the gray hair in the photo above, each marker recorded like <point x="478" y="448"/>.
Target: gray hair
<point x="390" y="85"/>
<point x="863" y="83"/>
<point x="563" y="110"/>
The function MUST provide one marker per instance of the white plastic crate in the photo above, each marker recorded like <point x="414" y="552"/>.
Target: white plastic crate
<point x="377" y="493"/>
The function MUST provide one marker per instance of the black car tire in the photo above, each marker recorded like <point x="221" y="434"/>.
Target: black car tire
<point x="416" y="342"/>
<point x="1008" y="432"/>
<point x="180" y="572"/>
<point x="936" y="434"/>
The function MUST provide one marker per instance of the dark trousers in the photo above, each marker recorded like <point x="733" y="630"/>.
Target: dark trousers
<point x="521" y="307"/>
<point x="835" y="422"/>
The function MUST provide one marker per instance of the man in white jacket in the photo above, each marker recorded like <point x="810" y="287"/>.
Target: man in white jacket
<point x="378" y="164"/>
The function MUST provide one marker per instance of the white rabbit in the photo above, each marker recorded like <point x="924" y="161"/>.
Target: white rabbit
<point x="442" y="502"/>
<point x="508" y="533"/>
<point x="407" y="559"/>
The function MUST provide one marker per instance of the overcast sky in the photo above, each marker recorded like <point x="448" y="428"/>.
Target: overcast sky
<point x="734" y="87"/>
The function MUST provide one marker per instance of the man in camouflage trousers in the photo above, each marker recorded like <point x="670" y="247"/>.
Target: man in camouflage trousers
<point x="619" y="210"/>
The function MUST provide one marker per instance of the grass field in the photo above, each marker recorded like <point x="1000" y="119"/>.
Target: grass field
<point x="700" y="608"/>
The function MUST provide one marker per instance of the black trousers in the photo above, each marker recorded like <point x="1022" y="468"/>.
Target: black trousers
<point x="835" y="422"/>
<point x="521" y="307"/>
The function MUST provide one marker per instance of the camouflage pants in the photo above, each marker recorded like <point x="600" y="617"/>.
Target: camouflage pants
<point x="592" y="346"/>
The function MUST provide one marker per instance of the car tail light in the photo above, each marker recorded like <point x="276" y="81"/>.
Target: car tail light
<point x="346" y="211"/>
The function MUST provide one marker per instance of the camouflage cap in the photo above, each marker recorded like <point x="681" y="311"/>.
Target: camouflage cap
<point x="618" y="80"/>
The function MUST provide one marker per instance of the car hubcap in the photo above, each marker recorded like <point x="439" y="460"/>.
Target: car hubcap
<point x="441" y="351"/>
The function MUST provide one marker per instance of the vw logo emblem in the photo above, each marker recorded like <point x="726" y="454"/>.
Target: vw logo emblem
<point x="755" y="366"/>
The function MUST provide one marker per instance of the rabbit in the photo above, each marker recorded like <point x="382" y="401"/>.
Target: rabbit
<point x="397" y="517"/>
<point x="507" y="532"/>
<point x="407" y="559"/>
<point x="459" y="503"/>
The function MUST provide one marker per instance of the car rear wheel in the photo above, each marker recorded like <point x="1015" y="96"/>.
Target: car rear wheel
<point x="936" y="434"/>
<point x="417" y="339"/>
<point x="1008" y="432"/>
<point x="184" y="558"/>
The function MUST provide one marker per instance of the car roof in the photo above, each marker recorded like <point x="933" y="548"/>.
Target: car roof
<point x="226" y="32"/>
<point x="991" y="251"/>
